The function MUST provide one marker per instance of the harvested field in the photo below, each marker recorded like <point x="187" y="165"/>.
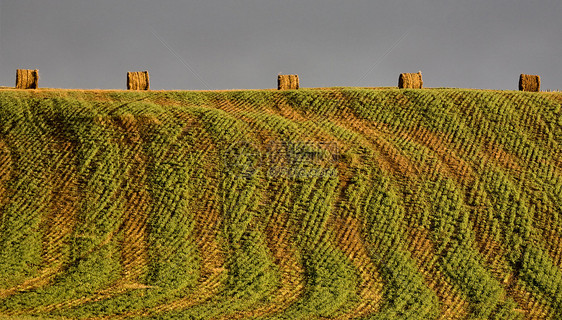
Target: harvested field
<point x="332" y="203"/>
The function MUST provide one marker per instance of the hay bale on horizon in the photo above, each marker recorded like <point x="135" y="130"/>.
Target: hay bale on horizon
<point x="138" y="80"/>
<point x="529" y="82"/>
<point x="287" y="82"/>
<point x="410" y="81"/>
<point x="27" y="79"/>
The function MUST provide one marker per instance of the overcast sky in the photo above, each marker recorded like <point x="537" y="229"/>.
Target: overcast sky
<point x="210" y="44"/>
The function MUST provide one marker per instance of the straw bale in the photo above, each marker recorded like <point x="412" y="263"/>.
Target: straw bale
<point x="138" y="80"/>
<point x="410" y="81"/>
<point x="27" y="79"/>
<point x="531" y="83"/>
<point x="288" y="82"/>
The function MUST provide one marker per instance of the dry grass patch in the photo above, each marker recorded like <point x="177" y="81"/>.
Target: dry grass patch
<point x="348" y="237"/>
<point x="5" y="169"/>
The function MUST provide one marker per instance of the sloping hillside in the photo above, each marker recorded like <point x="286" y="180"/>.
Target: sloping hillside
<point x="311" y="204"/>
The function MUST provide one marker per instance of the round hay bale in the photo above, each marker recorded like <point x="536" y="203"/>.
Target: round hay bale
<point x="138" y="80"/>
<point x="27" y="79"/>
<point x="530" y="83"/>
<point x="410" y="81"/>
<point x="287" y="82"/>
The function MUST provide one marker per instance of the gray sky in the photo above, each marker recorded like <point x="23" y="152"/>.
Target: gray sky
<point x="246" y="43"/>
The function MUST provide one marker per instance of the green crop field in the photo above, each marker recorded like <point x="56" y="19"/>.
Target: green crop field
<point x="336" y="203"/>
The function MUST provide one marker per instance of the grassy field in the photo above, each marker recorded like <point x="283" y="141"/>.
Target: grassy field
<point x="335" y="203"/>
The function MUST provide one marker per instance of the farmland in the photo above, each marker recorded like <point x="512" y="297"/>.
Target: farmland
<point x="336" y="203"/>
